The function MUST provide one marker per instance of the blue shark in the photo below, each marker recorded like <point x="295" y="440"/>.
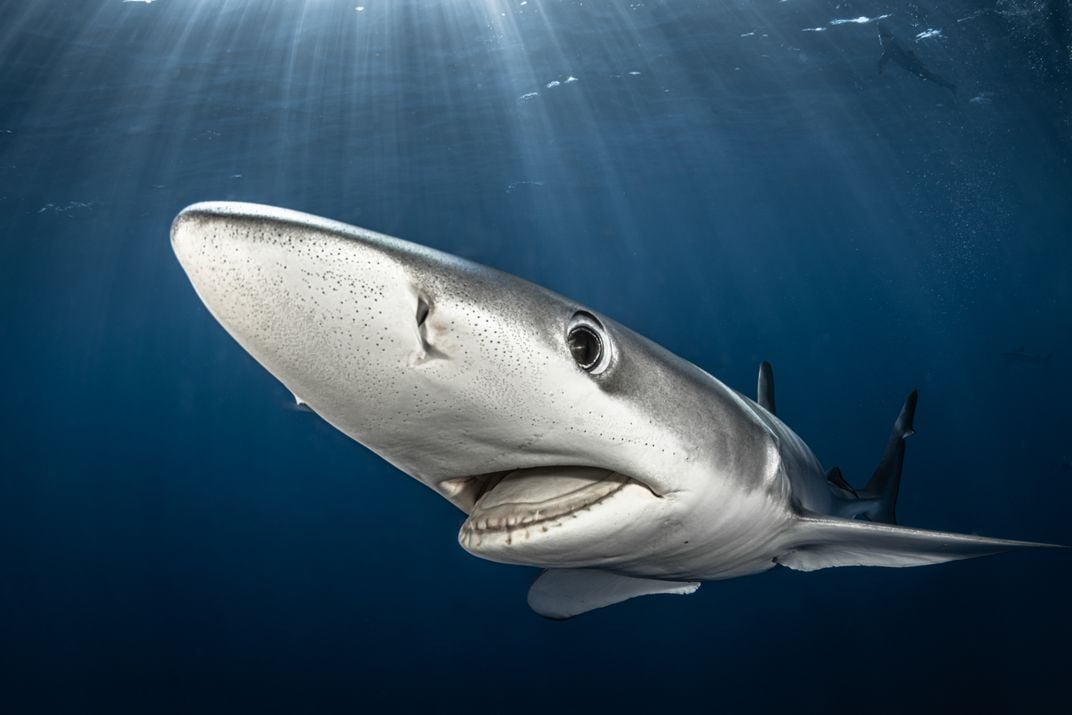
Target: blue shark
<point x="570" y="442"/>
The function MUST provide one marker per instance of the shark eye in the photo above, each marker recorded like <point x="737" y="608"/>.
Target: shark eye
<point x="588" y="343"/>
<point x="585" y="346"/>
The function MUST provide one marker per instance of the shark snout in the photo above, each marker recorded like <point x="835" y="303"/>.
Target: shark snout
<point x="513" y="402"/>
<point x="329" y="309"/>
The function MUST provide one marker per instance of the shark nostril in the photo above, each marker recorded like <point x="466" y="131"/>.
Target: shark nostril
<point x="426" y="351"/>
<point x="422" y="311"/>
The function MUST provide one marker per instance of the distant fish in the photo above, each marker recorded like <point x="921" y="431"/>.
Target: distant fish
<point x="862" y="20"/>
<point x="927" y="34"/>
<point x="65" y="208"/>
<point x="1019" y="356"/>
<point x="556" y="83"/>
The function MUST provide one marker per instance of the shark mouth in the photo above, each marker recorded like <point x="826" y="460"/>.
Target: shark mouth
<point x="531" y="498"/>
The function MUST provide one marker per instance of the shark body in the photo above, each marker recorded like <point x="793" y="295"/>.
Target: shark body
<point x="571" y="442"/>
<point x="906" y="59"/>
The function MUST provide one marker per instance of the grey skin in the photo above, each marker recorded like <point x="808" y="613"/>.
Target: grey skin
<point x="893" y="51"/>
<point x="570" y="442"/>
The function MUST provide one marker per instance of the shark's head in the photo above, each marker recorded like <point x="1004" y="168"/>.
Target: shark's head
<point x="567" y="438"/>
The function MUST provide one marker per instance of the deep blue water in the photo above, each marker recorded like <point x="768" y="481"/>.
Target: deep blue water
<point x="720" y="177"/>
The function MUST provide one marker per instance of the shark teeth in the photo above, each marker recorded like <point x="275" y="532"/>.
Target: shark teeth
<point x="528" y="497"/>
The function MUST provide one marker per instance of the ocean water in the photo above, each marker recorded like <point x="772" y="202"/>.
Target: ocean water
<point x="733" y="179"/>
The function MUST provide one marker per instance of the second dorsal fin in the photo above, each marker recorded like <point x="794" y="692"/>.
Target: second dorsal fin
<point x="835" y="477"/>
<point x="765" y="387"/>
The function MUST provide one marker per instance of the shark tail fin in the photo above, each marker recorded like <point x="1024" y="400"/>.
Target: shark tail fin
<point x="880" y="494"/>
<point x="819" y="543"/>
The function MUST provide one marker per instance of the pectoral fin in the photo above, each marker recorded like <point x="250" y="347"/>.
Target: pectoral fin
<point x="564" y="593"/>
<point x="816" y="543"/>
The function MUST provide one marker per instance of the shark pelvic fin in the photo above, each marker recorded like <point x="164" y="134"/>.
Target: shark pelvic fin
<point x="819" y="543"/>
<point x="564" y="593"/>
<point x="765" y="387"/>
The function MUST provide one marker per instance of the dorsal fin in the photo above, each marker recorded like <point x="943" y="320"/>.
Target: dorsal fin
<point x="765" y="387"/>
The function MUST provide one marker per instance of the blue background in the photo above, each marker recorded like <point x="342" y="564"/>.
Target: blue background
<point x="174" y="536"/>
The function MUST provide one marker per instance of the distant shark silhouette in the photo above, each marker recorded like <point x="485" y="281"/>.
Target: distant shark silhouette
<point x="893" y="51"/>
<point x="1019" y="356"/>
